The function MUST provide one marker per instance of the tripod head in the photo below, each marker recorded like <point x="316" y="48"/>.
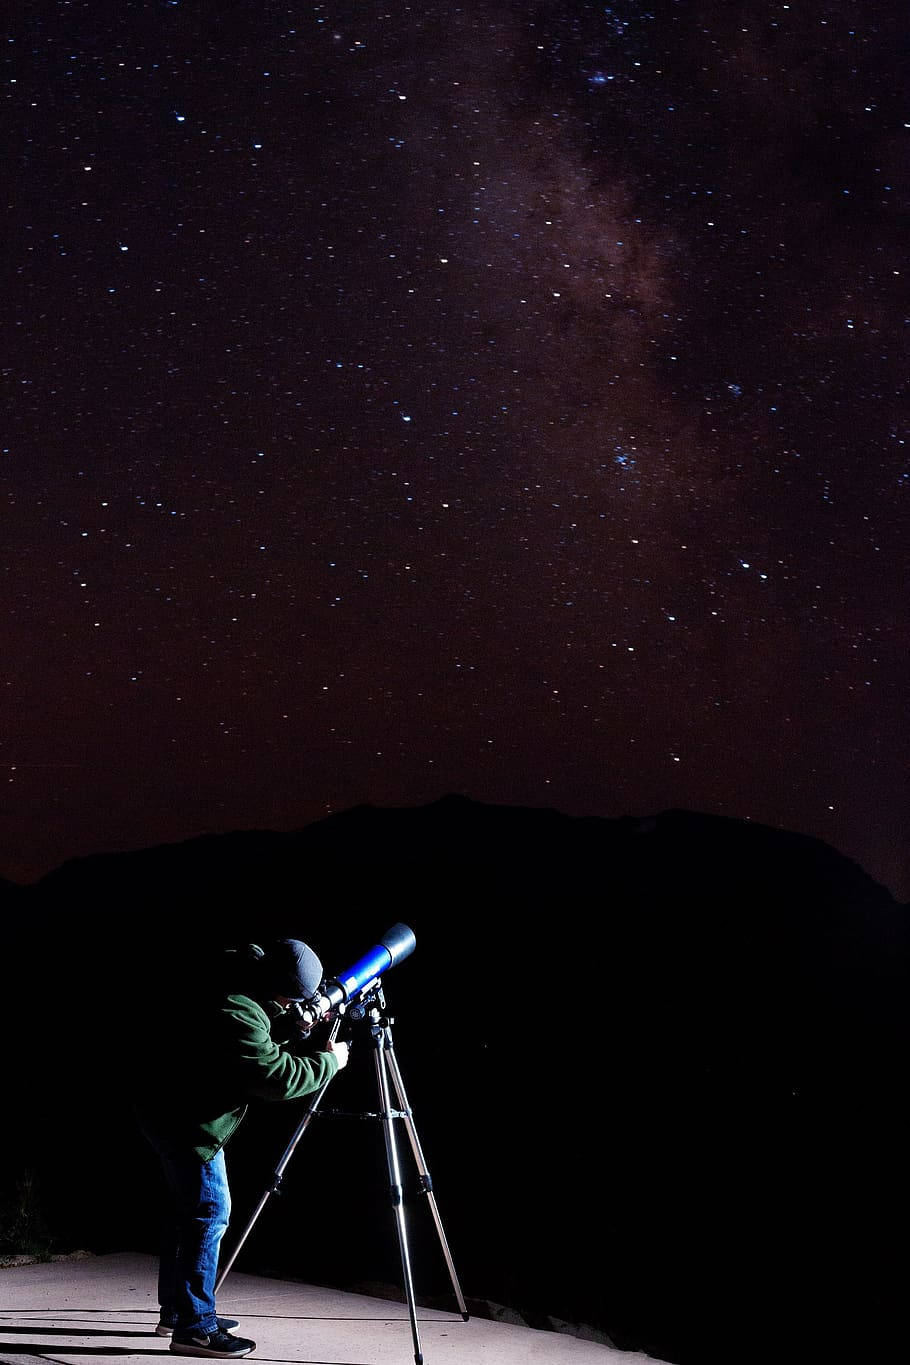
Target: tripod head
<point x="338" y="994"/>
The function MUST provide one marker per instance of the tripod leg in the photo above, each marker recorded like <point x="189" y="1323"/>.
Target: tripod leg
<point x="391" y="1149"/>
<point x="426" y="1181"/>
<point x="273" y="1188"/>
<point x="277" y="1175"/>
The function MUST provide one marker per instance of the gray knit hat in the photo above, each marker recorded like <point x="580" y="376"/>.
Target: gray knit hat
<point x="291" y="968"/>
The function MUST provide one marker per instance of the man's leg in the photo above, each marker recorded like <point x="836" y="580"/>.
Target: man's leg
<point x="202" y="1206"/>
<point x="203" y="1202"/>
<point x="168" y="1267"/>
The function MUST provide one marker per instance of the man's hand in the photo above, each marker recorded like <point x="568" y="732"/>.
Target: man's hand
<point x="341" y="1052"/>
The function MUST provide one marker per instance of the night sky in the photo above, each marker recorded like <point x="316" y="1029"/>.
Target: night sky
<point x="502" y="399"/>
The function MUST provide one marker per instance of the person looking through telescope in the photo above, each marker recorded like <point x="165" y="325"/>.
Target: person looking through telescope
<point x="225" y="1043"/>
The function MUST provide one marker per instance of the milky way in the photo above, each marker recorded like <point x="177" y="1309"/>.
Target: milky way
<point x="504" y="400"/>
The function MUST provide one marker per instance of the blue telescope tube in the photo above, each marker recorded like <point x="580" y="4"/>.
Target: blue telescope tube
<point x="395" y="945"/>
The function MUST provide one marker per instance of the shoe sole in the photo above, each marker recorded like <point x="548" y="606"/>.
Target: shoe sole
<point x="180" y="1348"/>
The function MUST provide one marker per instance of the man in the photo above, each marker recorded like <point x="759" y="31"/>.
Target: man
<point x="208" y="1057"/>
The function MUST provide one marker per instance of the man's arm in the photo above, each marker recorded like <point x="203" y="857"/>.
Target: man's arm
<point x="268" y="1071"/>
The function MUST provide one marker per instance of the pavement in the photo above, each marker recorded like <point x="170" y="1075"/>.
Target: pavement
<point x="73" y="1311"/>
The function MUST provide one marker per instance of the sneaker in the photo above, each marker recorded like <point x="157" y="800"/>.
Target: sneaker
<point x="220" y="1344"/>
<point x="166" y="1329"/>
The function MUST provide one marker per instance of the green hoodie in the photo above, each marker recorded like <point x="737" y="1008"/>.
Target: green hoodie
<point x="205" y="1065"/>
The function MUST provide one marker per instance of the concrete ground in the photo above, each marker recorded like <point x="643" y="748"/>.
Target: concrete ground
<point x="72" y="1312"/>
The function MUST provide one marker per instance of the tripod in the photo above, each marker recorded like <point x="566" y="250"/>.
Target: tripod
<point x="371" y="1007"/>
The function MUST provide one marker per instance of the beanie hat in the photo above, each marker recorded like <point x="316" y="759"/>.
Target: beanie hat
<point x="290" y="968"/>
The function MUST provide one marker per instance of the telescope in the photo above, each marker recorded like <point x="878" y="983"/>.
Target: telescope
<point x="338" y="992"/>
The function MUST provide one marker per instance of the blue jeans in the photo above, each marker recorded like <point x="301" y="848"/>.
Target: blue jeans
<point x="200" y="1207"/>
